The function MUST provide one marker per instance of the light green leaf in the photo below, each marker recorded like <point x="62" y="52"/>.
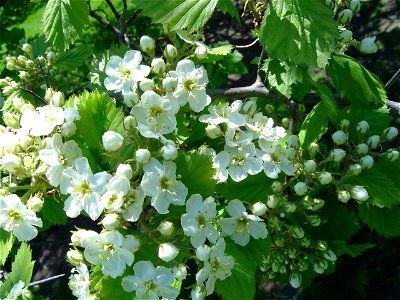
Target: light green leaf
<point x="233" y="64"/>
<point x="22" y="266"/>
<point x="381" y="182"/>
<point x="354" y="250"/>
<point x="227" y="6"/>
<point x="112" y="289"/>
<point x="384" y="220"/>
<point x="355" y="82"/>
<point x="6" y="243"/>
<point x="300" y="31"/>
<point x="196" y="173"/>
<point x="73" y="58"/>
<point x="178" y="14"/>
<point x="254" y="188"/>
<point x="314" y="125"/>
<point x="63" y="21"/>
<point x="221" y="50"/>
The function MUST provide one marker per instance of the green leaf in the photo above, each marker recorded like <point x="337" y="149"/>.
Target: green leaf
<point x="112" y="289"/>
<point x="227" y="6"/>
<point x="196" y="173"/>
<point x="178" y="14"/>
<point x="233" y="64"/>
<point x="22" y="266"/>
<point x="332" y="109"/>
<point x="53" y="211"/>
<point x="73" y="58"/>
<point x="221" y="50"/>
<point x="6" y="243"/>
<point x="63" y="21"/>
<point x="384" y="220"/>
<point x="354" y="250"/>
<point x="254" y="188"/>
<point x="381" y="182"/>
<point x="242" y="283"/>
<point x="282" y="75"/>
<point x="38" y="46"/>
<point x="355" y="82"/>
<point x="314" y="125"/>
<point x="300" y="31"/>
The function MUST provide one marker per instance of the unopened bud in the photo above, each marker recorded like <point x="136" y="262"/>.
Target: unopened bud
<point x="368" y="46"/>
<point x="124" y="170"/>
<point x="346" y="36"/>
<point x="362" y="149"/>
<point x="259" y="209"/>
<point x="147" y="44"/>
<point x="277" y="186"/>
<point x="293" y="141"/>
<point x="147" y="85"/>
<point x="373" y="141"/>
<point x="362" y="127"/>
<point x="338" y="154"/>
<point x="249" y="108"/>
<point x="35" y="204"/>
<point x="355" y="169"/>
<point x="142" y="156"/>
<point x="339" y="137"/>
<point x="325" y="178"/>
<point x="169" y="84"/>
<point x="130" y="123"/>
<point x="111" y="221"/>
<point x="344" y="196"/>
<point x="392" y="154"/>
<point x="213" y="131"/>
<point x="313" y="149"/>
<point x="74" y="257"/>
<point x="169" y="152"/>
<point x="112" y="140"/>
<point x="345" y="16"/>
<point x="359" y="193"/>
<point x="170" y="52"/>
<point x="201" y="52"/>
<point x="203" y="252"/>
<point x="166" y="228"/>
<point x="355" y="6"/>
<point x="390" y="133"/>
<point x="158" y="65"/>
<point x="300" y="188"/>
<point x="130" y="99"/>
<point x="367" y="162"/>
<point x="310" y="166"/>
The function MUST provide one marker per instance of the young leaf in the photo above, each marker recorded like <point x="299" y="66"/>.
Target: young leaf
<point x="384" y="220"/>
<point x="22" y="266"/>
<point x="63" y="20"/>
<point x="73" y="58"/>
<point x="178" y="14"/>
<point x="6" y="243"/>
<point x="332" y="109"/>
<point x="300" y="31"/>
<point x="355" y="82"/>
<point x="227" y="6"/>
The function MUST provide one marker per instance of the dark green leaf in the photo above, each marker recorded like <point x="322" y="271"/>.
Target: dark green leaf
<point x="332" y="109"/>
<point x="300" y="31"/>
<point x="53" y="211"/>
<point x="355" y="82"/>
<point x="38" y="46"/>
<point x="73" y="58"/>
<point x="6" y="243"/>
<point x="233" y="64"/>
<point x="354" y="250"/>
<point x="227" y="6"/>
<point x="384" y="220"/>
<point x="314" y="125"/>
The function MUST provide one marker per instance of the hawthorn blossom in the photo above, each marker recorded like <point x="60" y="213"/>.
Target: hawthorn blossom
<point x="262" y="127"/>
<point x="133" y="204"/>
<point x="149" y="282"/>
<point x="275" y="160"/>
<point x="43" y="120"/>
<point x="19" y="291"/>
<point x="15" y="217"/>
<point x="241" y="224"/>
<point x="191" y="87"/>
<point x="197" y="222"/>
<point x="84" y="188"/>
<point x="79" y="282"/>
<point x="123" y="74"/>
<point x="113" y="198"/>
<point x="159" y="182"/>
<point x="224" y="113"/>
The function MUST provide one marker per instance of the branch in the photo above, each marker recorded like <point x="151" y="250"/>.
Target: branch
<point x="34" y="94"/>
<point x="133" y="17"/>
<point x="393" y="79"/>
<point x="122" y="25"/>
<point x="116" y="14"/>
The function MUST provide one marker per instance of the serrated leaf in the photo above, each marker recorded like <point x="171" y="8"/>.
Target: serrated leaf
<point x="112" y="289"/>
<point x="196" y="173"/>
<point x="254" y="188"/>
<point x="63" y="21"/>
<point x="53" y="211"/>
<point x="73" y="58"/>
<point x="22" y="266"/>
<point x="332" y="109"/>
<point x="6" y="243"/>
<point x="384" y="220"/>
<point x="300" y="31"/>
<point x="381" y="182"/>
<point x="314" y="125"/>
<point x="233" y="64"/>
<point x="355" y="82"/>
<point x="178" y="14"/>
<point x="242" y="283"/>
<point x="221" y="50"/>
<point x="227" y="6"/>
<point x="38" y="46"/>
<point x="354" y="250"/>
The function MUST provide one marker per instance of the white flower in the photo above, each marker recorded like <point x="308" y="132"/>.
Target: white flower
<point x="112" y="140"/>
<point x="241" y="225"/>
<point x="59" y="157"/>
<point x="19" y="292"/>
<point x="339" y="137"/>
<point x="110" y="249"/>
<point x="191" y="85"/>
<point x="84" y="189"/>
<point x="235" y="137"/>
<point x="216" y="267"/>
<point x="159" y="182"/>
<point x="149" y="282"/>
<point x="225" y="113"/>
<point x="79" y="282"/>
<point x="15" y="217"/>
<point x="368" y="46"/>
<point x="117" y="187"/>
<point x="167" y="252"/>
<point x="262" y="127"/>
<point x="43" y="121"/>
<point x="133" y="204"/>
<point x="124" y="74"/>
<point x="237" y="162"/>
<point x="198" y="221"/>
<point x="300" y="188"/>
<point x="275" y="161"/>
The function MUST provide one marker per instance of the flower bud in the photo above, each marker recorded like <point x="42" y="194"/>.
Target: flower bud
<point x="203" y="252"/>
<point x="166" y="228"/>
<point x="259" y="209"/>
<point x="272" y="201"/>
<point x="158" y="65"/>
<point x="368" y="46"/>
<point x="30" y="64"/>
<point x="290" y="153"/>
<point x="130" y="99"/>
<point x="179" y="272"/>
<point x="313" y="149"/>
<point x="249" y="108"/>
<point x="130" y="123"/>
<point x="201" y="52"/>
<point x="170" y="52"/>
<point x="35" y="204"/>
<point x="325" y="178"/>
<point x="338" y="154"/>
<point x="339" y="137"/>
<point x="27" y="48"/>
<point x="392" y="154"/>
<point x="355" y="6"/>
<point x="277" y="186"/>
<point x="68" y="129"/>
<point x="167" y="252"/>
<point x="198" y="293"/>
<point x="57" y="99"/>
<point x="74" y="257"/>
<point x="50" y="55"/>
<point x="269" y="109"/>
<point x="11" y="119"/>
<point x="124" y="170"/>
<point x="112" y="140"/>
<point x="111" y="221"/>
<point x="330" y="255"/>
<point x="147" y="85"/>
<point x="169" y="152"/>
<point x="362" y="127"/>
<point x="310" y="166"/>
<point x="367" y="162"/>
<point x="362" y="149"/>
<point x="213" y="131"/>
<point x="147" y="44"/>
<point x="390" y="133"/>
<point x="142" y="156"/>
<point x="17" y="103"/>
<point x="293" y="141"/>
<point x="346" y="36"/>
<point x="355" y="169"/>
<point x="314" y="220"/>
<point x="10" y="162"/>
<point x="23" y="75"/>
<point x="344" y="196"/>
<point x="297" y="232"/>
<point x="373" y="141"/>
<point x="359" y="193"/>
<point x="345" y="16"/>
<point x="295" y="280"/>
<point x="300" y="188"/>
<point x="169" y="84"/>
<point x="285" y="122"/>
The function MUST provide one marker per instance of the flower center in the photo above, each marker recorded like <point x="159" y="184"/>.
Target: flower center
<point x="201" y="221"/>
<point x="124" y="73"/>
<point x="84" y="188"/>
<point x="156" y="111"/>
<point x="189" y="85"/>
<point x="14" y="214"/>
<point x="165" y="183"/>
<point x="238" y="160"/>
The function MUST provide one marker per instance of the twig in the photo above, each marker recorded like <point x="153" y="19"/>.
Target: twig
<point x="116" y="14"/>
<point x="393" y="79"/>
<point x="45" y="280"/>
<point x="76" y="89"/>
<point x="34" y="94"/>
<point x="249" y="45"/>
<point x="43" y="74"/>
<point x="133" y="17"/>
